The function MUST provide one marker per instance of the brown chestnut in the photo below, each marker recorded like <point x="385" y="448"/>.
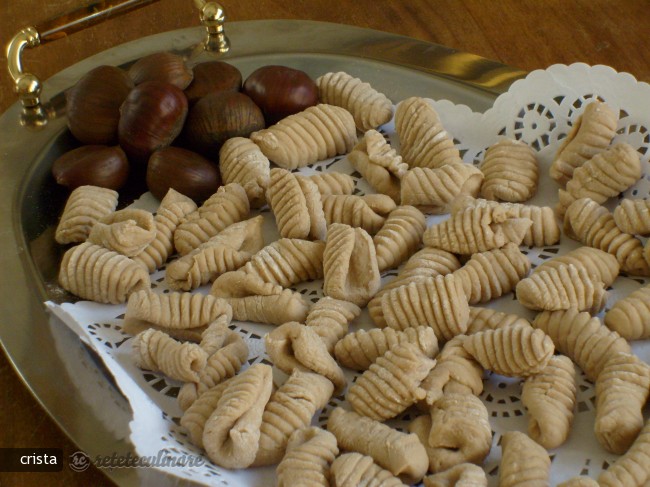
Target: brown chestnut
<point x="211" y="77"/>
<point x="152" y="116"/>
<point x="93" y="104"/>
<point x="162" y="66"/>
<point x="219" y="116"/>
<point x="185" y="171"/>
<point x="97" y="165"/>
<point x="280" y="91"/>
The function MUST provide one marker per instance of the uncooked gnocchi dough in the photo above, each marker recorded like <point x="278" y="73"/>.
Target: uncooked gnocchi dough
<point x="428" y="262"/>
<point x="434" y="190"/>
<point x="227" y="251"/>
<point x="456" y="370"/>
<point x="312" y="135"/>
<point x="392" y="383"/>
<point x="630" y="316"/>
<point x="593" y="225"/>
<point x="369" y="107"/>
<point x="591" y="133"/>
<point x="227" y="206"/>
<point x="400" y="453"/>
<point x="399" y="237"/>
<point x="294" y="346"/>
<point x="622" y="390"/>
<point x="438" y="302"/>
<point x="314" y="201"/>
<point x="333" y="182"/>
<point x="287" y="262"/>
<point x="368" y="212"/>
<point x="632" y="468"/>
<point x="477" y="229"/>
<point x="310" y="452"/>
<point x="174" y="310"/>
<point x="242" y="162"/>
<point x="194" y="418"/>
<point x="511" y="172"/>
<point x="155" y="350"/>
<point x="85" y="206"/>
<point x="562" y="287"/>
<point x="461" y="475"/>
<point x="550" y="398"/>
<point x="232" y="432"/>
<point x="581" y="337"/>
<point x="227" y="352"/>
<point x="350" y="266"/>
<point x="359" y="350"/>
<point x="330" y="318"/>
<point x="290" y="408"/>
<point x="379" y="164"/>
<point x="456" y="430"/>
<point x="296" y="204"/>
<point x="633" y="216"/>
<point x="604" y="176"/>
<point x="424" y="142"/>
<point x="252" y="299"/>
<point x="544" y="230"/>
<point x="127" y="232"/>
<point x="600" y="265"/>
<point x="489" y="275"/>
<point x="98" y="274"/>
<point x="354" y="469"/>
<point x="513" y="351"/>
<point x="524" y="463"/>
<point x="481" y="319"/>
<point x="173" y="209"/>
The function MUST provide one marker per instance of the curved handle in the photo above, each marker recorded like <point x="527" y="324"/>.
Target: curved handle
<point x="28" y="86"/>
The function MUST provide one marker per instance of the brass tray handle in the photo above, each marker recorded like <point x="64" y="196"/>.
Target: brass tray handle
<point x="213" y="17"/>
<point x="28" y="86"/>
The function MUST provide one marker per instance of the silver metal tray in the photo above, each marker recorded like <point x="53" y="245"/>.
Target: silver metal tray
<point x="49" y="358"/>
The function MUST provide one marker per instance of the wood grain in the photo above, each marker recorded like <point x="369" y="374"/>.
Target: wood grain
<point x="528" y="34"/>
<point x="524" y="33"/>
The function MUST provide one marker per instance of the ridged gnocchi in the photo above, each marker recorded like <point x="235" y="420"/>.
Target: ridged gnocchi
<point x="510" y="172"/>
<point x="369" y="107"/>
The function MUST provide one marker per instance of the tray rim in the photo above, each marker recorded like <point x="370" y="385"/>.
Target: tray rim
<point x="488" y="76"/>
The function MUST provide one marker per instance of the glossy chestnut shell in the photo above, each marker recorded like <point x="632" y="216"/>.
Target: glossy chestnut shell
<point x="93" y="104"/>
<point x="213" y="77"/>
<point x="96" y="165"/>
<point x="187" y="172"/>
<point x="280" y="91"/>
<point x="217" y="117"/>
<point x="162" y="66"/>
<point x="151" y="118"/>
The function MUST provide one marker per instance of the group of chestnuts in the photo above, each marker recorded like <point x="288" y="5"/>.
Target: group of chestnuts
<point x="170" y="118"/>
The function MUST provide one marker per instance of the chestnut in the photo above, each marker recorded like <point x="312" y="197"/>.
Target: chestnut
<point x="211" y="77"/>
<point x="151" y="118"/>
<point x="97" y="165"/>
<point x="162" y="66"/>
<point x="280" y="91"/>
<point x="217" y="117"/>
<point x="93" y="104"/>
<point x="185" y="171"/>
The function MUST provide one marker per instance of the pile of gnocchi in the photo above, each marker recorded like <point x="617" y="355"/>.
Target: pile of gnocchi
<point x="430" y="342"/>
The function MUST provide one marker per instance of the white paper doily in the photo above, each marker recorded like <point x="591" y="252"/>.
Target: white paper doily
<point x="539" y="110"/>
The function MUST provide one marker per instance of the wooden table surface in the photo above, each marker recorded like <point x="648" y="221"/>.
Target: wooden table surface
<point x="528" y="34"/>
